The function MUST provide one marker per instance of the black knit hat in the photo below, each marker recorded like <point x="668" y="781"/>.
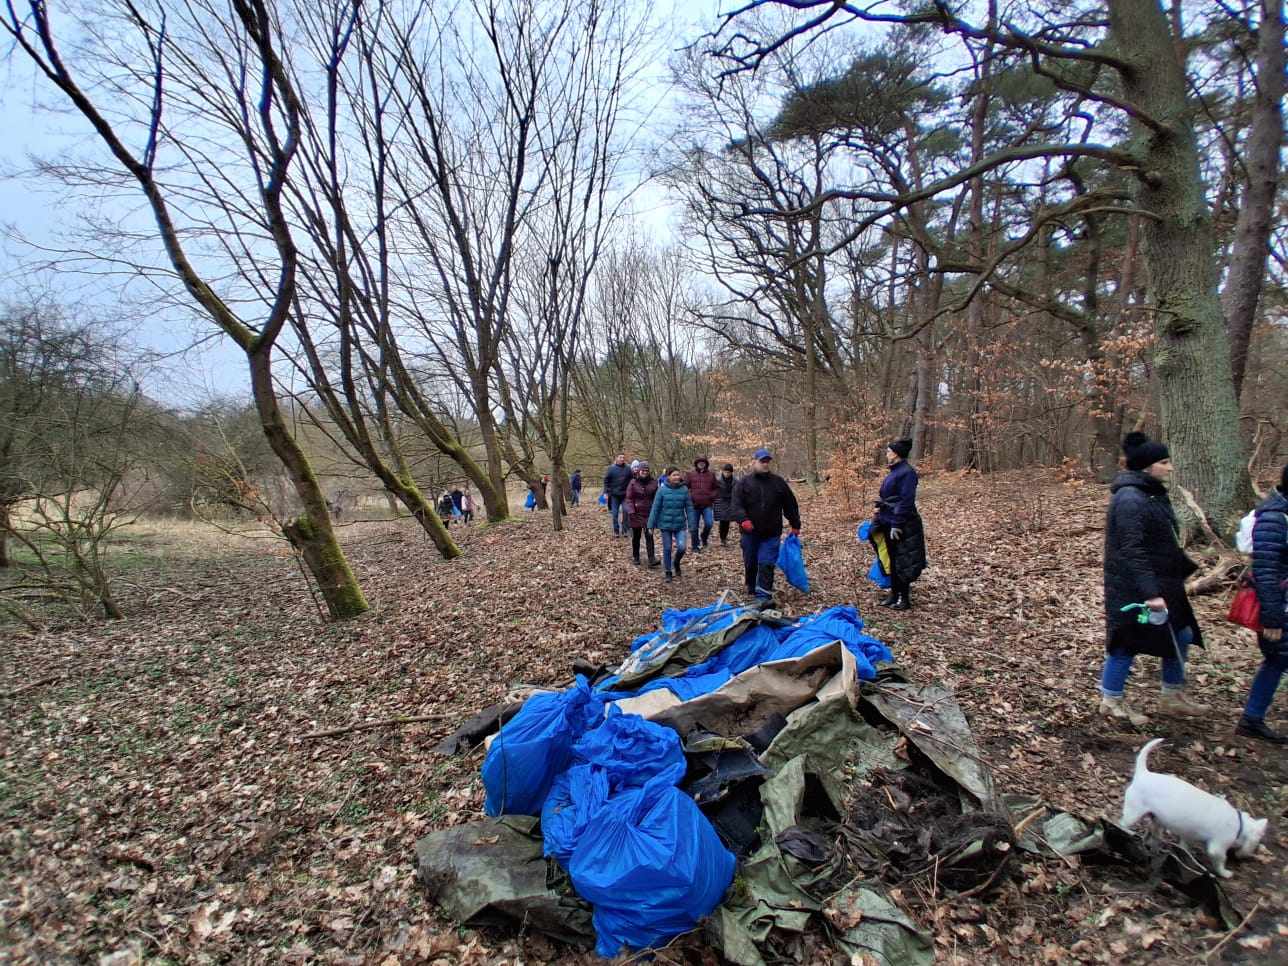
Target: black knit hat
<point x="900" y="447"/>
<point x="1142" y="452"/>
<point x="727" y="466"/>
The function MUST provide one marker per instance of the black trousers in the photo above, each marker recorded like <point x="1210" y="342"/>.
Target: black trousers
<point x="724" y="530"/>
<point x="648" y="541"/>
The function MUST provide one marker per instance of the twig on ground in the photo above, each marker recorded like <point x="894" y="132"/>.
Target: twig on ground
<point x="368" y="725"/>
<point x="1231" y="934"/>
<point x="31" y="687"/>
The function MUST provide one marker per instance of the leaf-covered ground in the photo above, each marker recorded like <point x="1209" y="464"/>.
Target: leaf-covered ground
<point x="161" y="801"/>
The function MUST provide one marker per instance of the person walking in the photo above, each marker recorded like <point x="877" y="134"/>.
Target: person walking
<point x="616" y="479"/>
<point x="1270" y="577"/>
<point x="722" y="508"/>
<point x="702" y="489"/>
<point x="1145" y="571"/>
<point x="760" y="501"/>
<point x="639" y="504"/>
<point x="445" y="508"/>
<point x="670" y="514"/>
<point x="897" y="518"/>
<point x="467" y="507"/>
<point x="575" y="485"/>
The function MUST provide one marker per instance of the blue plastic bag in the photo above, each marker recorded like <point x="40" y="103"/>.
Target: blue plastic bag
<point x="603" y="499"/>
<point x="791" y="561"/>
<point x="535" y="746"/>
<point x="876" y="573"/>
<point x="632" y="751"/>
<point x="531" y="501"/>
<point x="652" y="865"/>
<point x="575" y="799"/>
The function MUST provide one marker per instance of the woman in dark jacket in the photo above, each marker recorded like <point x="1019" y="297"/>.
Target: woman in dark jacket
<point x="897" y="519"/>
<point x="639" y="501"/>
<point x="1145" y="566"/>
<point x="723" y="505"/>
<point x="1270" y="576"/>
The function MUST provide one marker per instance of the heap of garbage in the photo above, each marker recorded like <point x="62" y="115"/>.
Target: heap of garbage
<point x="772" y="777"/>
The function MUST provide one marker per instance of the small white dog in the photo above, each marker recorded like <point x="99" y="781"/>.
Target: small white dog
<point x="1190" y="813"/>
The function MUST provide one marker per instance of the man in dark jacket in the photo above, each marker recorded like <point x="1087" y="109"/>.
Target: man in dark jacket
<point x="1145" y="565"/>
<point x="1270" y="577"/>
<point x="616" y="479"/>
<point x="575" y="485"/>
<point x="703" y="490"/>
<point x="760" y="501"/>
<point x="723" y="505"/>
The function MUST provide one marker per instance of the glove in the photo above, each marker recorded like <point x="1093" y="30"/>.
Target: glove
<point x="746" y="526"/>
<point x="895" y="533"/>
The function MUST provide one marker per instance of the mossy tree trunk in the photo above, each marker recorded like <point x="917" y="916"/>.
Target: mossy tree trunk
<point x="6" y="524"/>
<point x="1192" y="352"/>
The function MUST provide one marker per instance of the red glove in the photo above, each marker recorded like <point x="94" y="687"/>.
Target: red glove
<point x="746" y="526"/>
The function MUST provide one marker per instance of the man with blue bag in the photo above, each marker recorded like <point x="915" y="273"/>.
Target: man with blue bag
<point x="760" y="501"/>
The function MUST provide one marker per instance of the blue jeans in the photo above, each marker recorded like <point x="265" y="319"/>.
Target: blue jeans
<point x="617" y="512"/>
<point x="759" y="555"/>
<point x="705" y="515"/>
<point x="576" y="497"/>
<point x="1266" y="681"/>
<point x="1113" y="680"/>
<point x="667" y="537"/>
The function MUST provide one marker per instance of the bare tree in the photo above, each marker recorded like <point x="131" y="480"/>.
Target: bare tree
<point x="222" y="61"/>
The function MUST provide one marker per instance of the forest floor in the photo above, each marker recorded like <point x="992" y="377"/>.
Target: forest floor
<point x="161" y="799"/>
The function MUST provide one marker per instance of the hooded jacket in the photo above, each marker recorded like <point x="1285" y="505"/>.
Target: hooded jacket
<point x="1143" y="560"/>
<point x="897" y="500"/>
<point x="702" y="483"/>
<point x="723" y="505"/>
<point x="1270" y="558"/>
<point x="671" y="506"/>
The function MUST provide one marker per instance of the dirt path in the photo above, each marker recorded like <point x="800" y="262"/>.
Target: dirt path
<point x="159" y="798"/>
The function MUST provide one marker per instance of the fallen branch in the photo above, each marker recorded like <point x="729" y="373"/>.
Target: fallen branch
<point x="369" y="725"/>
<point x="1216" y="576"/>
<point x="31" y="687"/>
<point x="1231" y="934"/>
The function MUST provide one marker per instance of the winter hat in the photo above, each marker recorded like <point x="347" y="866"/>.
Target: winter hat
<point x="1142" y="452"/>
<point x="702" y="459"/>
<point x="900" y="447"/>
<point x="729" y="467"/>
<point x="641" y="465"/>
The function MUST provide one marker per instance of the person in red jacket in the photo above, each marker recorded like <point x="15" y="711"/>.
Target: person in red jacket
<point x="704" y="490"/>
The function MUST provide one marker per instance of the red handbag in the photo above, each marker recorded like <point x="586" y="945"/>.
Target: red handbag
<point x="1245" y="609"/>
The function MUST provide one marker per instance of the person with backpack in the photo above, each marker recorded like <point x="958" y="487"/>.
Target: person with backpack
<point x="702" y="488"/>
<point x="1145" y="571"/>
<point x="760" y="501"/>
<point x="575" y="485"/>
<point x="445" y="509"/>
<point x="722" y="508"/>
<point x="616" y="479"/>
<point x="670" y="514"/>
<point x="1270" y="578"/>
<point x="899" y="523"/>
<point x="639" y="504"/>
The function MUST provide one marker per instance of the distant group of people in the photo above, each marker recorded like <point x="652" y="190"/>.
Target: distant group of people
<point x="455" y="504"/>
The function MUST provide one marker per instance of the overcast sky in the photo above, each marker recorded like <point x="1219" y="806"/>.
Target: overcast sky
<point x="34" y="122"/>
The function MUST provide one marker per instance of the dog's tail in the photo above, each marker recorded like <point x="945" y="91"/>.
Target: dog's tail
<point x="1142" y="759"/>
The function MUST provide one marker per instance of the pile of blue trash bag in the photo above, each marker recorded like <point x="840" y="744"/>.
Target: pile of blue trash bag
<point x="605" y="783"/>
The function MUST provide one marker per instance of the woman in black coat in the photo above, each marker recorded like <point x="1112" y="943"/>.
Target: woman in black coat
<point x="1270" y="576"/>
<point x="723" y="506"/>
<point x="897" y="518"/>
<point x="1144" y="564"/>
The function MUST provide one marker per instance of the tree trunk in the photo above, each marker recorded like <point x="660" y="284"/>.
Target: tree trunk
<point x="409" y="494"/>
<point x="1199" y="410"/>
<point x="310" y="533"/>
<point x="6" y="525"/>
<point x="1251" y="246"/>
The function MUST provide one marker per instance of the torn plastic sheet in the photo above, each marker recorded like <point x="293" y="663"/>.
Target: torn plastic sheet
<point x="492" y="873"/>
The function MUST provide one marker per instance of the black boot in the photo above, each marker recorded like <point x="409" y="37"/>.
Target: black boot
<point x="891" y="599"/>
<point x="904" y="602"/>
<point x="1256" y="728"/>
<point x="678" y="557"/>
<point x="653" y="561"/>
<point x="667" y="578"/>
<point x="635" y="559"/>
